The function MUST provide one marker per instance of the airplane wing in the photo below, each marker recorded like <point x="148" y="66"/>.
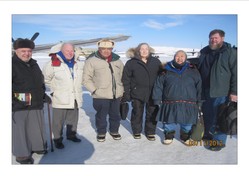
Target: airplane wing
<point x="44" y="47"/>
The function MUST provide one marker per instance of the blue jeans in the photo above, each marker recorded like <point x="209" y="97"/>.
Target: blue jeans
<point x="210" y="110"/>
<point x="169" y="127"/>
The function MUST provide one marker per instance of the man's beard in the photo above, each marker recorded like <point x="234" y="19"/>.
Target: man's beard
<point x="215" y="46"/>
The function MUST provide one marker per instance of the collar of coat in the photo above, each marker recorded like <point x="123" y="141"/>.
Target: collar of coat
<point x="56" y="62"/>
<point x="70" y="63"/>
<point x="170" y="67"/>
<point x="30" y="62"/>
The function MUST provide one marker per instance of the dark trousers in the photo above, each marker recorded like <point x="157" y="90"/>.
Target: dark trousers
<point x="106" y="107"/>
<point x="137" y="117"/>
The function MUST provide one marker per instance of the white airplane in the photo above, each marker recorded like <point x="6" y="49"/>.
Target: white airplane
<point x="79" y="51"/>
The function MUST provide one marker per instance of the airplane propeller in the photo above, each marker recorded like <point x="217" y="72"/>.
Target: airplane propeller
<point x="32" y="38"/>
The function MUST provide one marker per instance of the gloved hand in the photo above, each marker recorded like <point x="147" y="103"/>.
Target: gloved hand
<point x="47" y="99"/>
<point x="125" y="99"/>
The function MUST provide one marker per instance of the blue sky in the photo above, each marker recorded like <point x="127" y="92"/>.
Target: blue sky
<point x="188" y="31"/>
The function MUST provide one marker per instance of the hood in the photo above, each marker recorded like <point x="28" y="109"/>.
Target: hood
<point x="131" y="53"/>
<point x="170" y="67"/>
<point x="167" y="66"/>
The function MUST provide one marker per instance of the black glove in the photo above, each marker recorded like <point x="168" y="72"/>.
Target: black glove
<point x="126" y="98"/>
<point x="122" y="100"/>
<point x="47" y="99"/>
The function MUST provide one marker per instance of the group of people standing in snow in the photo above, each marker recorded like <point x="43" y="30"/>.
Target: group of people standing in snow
<point x="170" y="93"/>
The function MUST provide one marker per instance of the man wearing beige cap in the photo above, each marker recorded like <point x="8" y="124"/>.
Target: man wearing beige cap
<point x="102" y="77"/>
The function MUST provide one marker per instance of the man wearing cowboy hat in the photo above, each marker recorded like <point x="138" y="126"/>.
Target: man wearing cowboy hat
<point x="102" y="77"/>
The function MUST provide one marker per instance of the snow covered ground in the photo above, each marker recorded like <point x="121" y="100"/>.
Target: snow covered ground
<point x="131" y="151"/>
<point x="127" y="151"/>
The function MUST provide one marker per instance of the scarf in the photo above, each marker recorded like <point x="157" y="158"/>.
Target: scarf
<point x="70" y="63"/>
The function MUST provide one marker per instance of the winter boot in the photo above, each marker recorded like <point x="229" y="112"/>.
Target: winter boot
<point x="58" y="143"/>
<point x="115" y="136"/>
<point x="137" y="136"/>
<point x="151" y="137"/>
<point x="169" y="136"/>
<point x="101" y="137"/>
<point x="71" y="135"/>
<point x="185" y="137"/>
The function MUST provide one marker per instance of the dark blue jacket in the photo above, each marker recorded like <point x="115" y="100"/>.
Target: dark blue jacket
<point x="176" y="85"/>
<point x="179" y="91"/>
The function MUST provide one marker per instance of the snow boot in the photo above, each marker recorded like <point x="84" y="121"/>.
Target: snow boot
<point x="101" y="138"/>
<point x="71" y="135"/>
<point x="137" y="136"/>
<point x="169" y="136"/>
<point x="185" y="137"/>
<point x="58" y="143"/>
<point x="151" y="137"/>
<point x="115" y="136"/>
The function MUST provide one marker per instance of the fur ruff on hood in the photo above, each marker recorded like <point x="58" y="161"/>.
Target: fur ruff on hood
<point x="130" y="53"/>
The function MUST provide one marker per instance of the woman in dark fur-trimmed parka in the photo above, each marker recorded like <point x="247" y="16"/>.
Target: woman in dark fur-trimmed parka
<point x="178" y="93"/>
<point x="139" y="75"/>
